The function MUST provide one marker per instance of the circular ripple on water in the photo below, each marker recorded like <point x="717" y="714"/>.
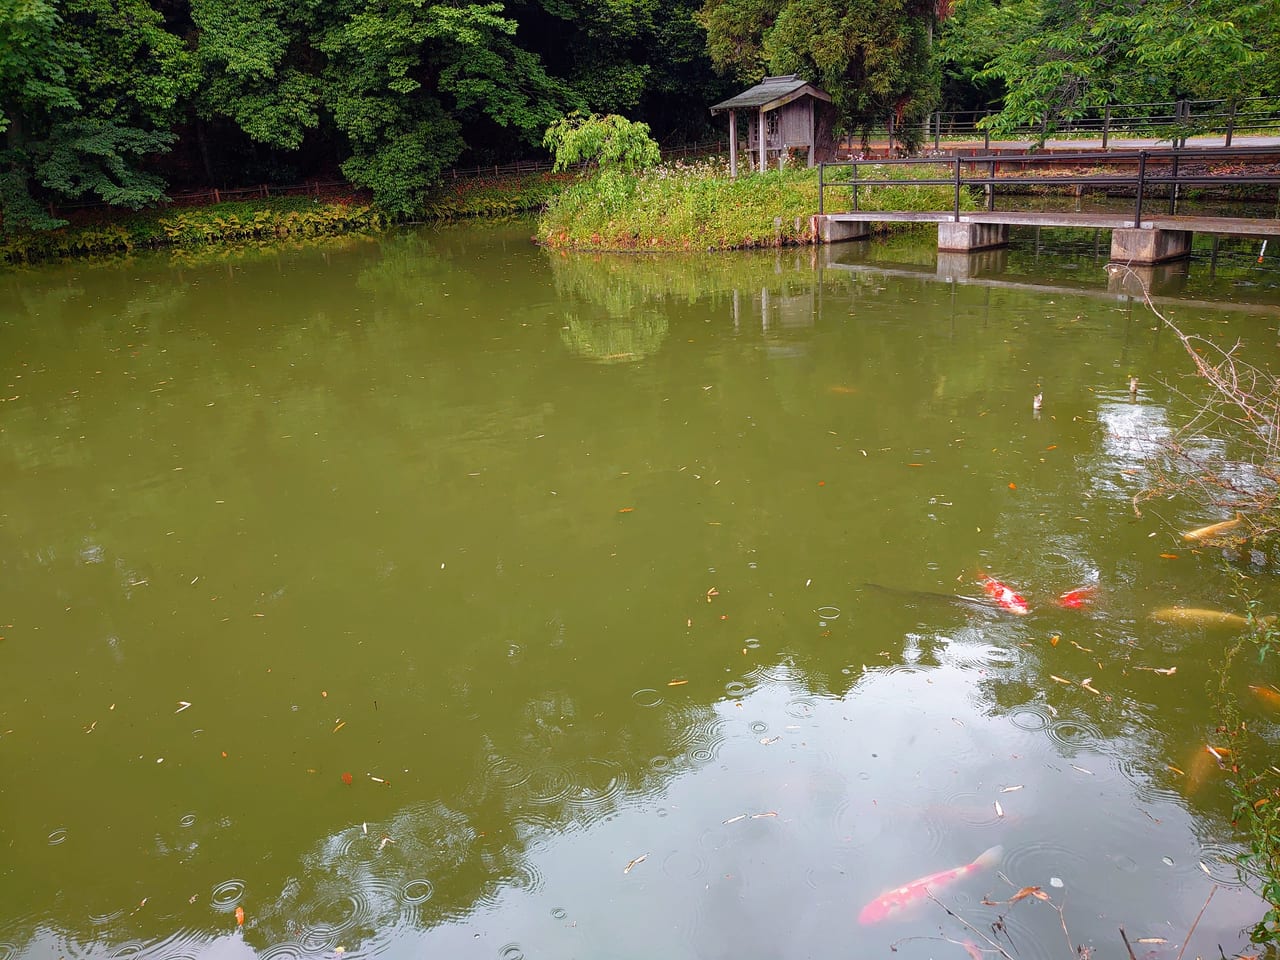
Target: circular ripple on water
<point x="285" y="950"/>
<point x="326" y="922"/>
<point x="1148" y="789"/>
<point x="511" y="951"/>
<point x="828" y="612"/>
<point x="417" y="891"/>
<point x="180" y="945"/>
<point x="226" y="895"/>
<point x="103" y="918"/>
<point x="1074" y="732"/>
<point x="187" y="820"/>
<point x="802" y="708"/>
<point x="57" y="836"/>
<point x="701" y="729"/>
<point x="736" y="689"/>
<point x="548" y="783"/>
<point x="1030" y="717"/>
<point x="1217" y="860"/>
<point x="8" y="951"/>
<point x="128" y="950"/>
<point x="647" y="697"/>
<point x="596" y="783"/>
<point x="1032" y="864"/>
<point x="684" y="865"/>
<point x="505" y="772"/>
<point x="660" y="763"/>
<point x="965" y="808"/>
<point x="353" y="847"/>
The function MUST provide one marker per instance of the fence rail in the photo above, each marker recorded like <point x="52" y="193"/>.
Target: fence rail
<point x="1164" y="169"/>
<point x="1172" y="120"/>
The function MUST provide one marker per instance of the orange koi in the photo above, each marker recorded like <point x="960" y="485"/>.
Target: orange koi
<point x="1268" y="696"/>
<point x="893" y="901"/>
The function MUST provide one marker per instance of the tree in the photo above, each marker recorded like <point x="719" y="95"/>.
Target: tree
<point x="871" y="56"/>
<point x="88" y="90"/>
<point x="1061" y="58"/>
<point x="611" y="142"/>
<point x="400" y="76"/>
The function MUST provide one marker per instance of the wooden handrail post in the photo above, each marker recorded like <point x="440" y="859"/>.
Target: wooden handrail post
<point x="1231" y="123"/>
<point x="1142" y="172"/>
<point x="1173" y="187"/>
<point x="991" y="188"/>
<point x="821" y="168"/>
<point x="986" y="133"/>
<point x="957" y="186"/>
<point x="1106" y="124"/>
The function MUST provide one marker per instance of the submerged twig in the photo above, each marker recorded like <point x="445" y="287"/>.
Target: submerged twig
<point x="995" y="946"/>
<point x="1187" y="939"/>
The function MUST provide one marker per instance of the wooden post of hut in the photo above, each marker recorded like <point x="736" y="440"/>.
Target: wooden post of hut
<point x="790" y="112"/>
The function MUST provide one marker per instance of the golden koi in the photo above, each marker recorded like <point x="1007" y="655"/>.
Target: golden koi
<point x="1268" y="696"/>
<point x="1208" y="618"/>
<point x="1212" y="530"/>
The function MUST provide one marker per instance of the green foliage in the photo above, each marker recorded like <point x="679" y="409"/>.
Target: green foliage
<point x="276" y="219"/>
<point x="698" y="207"/>
<point x="871" y="56"/>
<point x="89" y="88"/>
<point x="1056" y="60"/>
<point x="253" y="70"/>
<point x="610" y="142"/>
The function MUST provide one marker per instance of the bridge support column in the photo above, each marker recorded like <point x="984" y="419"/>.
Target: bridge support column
<point x="1143" y="246"/>
<point x="828" y="230"/>
<point x="968" y="237"/>
<point x="1138" y="280"/>
<point x="954" y="266"/>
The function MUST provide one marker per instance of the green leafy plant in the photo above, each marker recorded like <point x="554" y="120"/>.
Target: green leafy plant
<point x="609" y="142"/>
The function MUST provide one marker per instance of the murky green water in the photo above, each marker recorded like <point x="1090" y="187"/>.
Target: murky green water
<point x="564" y="564"/>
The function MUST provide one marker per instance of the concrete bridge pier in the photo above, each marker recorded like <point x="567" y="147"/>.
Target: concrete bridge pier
<point x="828" y="230"/>
<point x="1140" y="280"/>
<point x="954" y="266"/>
<point x="968" y="237"/>
<point x="1146" y="246"/>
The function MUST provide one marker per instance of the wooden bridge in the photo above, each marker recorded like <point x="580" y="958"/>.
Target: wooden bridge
<point x="1137" y="237"/>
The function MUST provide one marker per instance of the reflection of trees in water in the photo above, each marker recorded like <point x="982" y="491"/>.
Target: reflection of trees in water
<point x="615" y="339"/>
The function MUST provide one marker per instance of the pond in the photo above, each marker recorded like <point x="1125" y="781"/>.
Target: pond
<point x="435" y="595"/>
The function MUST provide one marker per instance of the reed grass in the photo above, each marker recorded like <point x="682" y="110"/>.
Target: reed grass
<point x="697" y="206"/>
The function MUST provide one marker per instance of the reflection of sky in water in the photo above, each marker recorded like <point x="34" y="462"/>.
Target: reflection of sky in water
<point x="801" y="809"/>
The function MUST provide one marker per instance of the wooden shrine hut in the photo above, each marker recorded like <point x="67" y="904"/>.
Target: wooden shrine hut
<point x="782" y="113"/>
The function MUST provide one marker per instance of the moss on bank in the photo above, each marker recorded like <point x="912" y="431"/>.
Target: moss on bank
<point x="106" y="231"/>
<point x="699" y="207"/>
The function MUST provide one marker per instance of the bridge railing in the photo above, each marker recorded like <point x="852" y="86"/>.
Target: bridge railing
<point x="1139" y="170"/>
<point x="1172" y="120"/>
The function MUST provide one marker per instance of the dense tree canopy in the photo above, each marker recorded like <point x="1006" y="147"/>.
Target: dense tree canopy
<point x="121" y="100"/>
<point x="871" y="56"/>
<point x="1045" y="61"/>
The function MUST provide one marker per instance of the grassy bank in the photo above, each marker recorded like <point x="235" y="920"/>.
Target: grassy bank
<point x="106" y="231"/>
<point x="699" y="207"/>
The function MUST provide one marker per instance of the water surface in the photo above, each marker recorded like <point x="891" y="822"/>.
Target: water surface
<point x="437" y="595"/>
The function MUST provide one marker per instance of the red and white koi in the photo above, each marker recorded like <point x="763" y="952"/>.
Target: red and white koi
<point x="1005" y="597"/>
<point x="896" y="900"/>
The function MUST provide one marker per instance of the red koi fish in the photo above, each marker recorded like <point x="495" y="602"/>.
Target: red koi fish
<point x="893" y="901"/>
<point x="1078" y="597"/>
<point x="1005" y="597"/>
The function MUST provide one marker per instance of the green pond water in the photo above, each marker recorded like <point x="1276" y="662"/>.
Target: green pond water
<point x="437" y="595"/>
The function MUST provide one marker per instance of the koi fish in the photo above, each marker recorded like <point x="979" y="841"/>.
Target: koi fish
<point x="1078" y="597"/>
<point x="1004" y="597"/>
<point x="1208" y="618"/>
<point x="1212" y="530"/>
<point x="899" y="898"/>
<point x="1268" y="696"/>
